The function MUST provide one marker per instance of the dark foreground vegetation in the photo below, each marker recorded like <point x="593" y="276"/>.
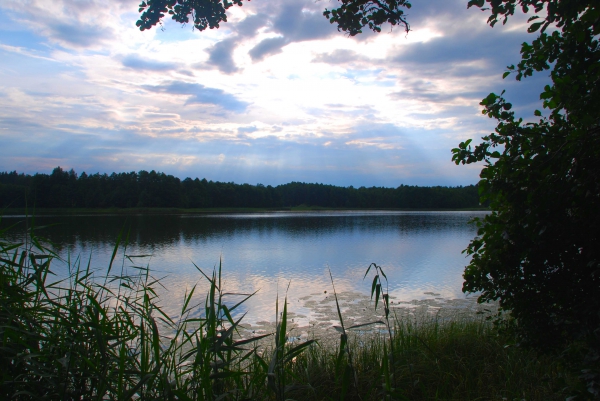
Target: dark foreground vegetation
<point x="97" y="336"/>
<point x="63" y="189"/>
<point x="537" y="253"/>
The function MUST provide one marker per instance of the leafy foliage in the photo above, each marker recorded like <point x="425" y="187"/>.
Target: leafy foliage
<point x="567" y="45"/>
<point x="204" y="13"/>
<point x="538" y="252"/>
<point x="353" y="15"/>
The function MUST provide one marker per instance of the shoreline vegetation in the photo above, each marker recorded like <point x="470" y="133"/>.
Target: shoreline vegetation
<point x="147" y="191"/>
<point x="103" y="335"/>
<point x="216" y="210"/>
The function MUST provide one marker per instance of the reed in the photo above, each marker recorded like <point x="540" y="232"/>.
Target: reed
<point x="90" y="338"/>
<point x="463" y="360"/>
<point x="93" y="338"/>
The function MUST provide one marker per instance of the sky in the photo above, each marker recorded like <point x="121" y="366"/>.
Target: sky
<point x="274" y="95"/>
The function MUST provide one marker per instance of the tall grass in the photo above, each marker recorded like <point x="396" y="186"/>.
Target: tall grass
<point x="94" y="338"/>
<point x="89" y="338"/>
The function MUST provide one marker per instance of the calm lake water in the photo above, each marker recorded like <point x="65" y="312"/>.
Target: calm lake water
<point x="419" y="251"/>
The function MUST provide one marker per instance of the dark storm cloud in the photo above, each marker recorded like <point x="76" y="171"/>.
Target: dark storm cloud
<point x="200" y="94"/>
<point x="137" y="63"/>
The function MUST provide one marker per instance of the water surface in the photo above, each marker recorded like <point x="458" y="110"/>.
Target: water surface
<point x="419" y="251"/>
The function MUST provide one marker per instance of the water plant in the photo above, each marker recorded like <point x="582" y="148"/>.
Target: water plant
<point x="85" y="337"/>
<point x="283" y="355"/>
<point x="389" y="387"/>
<point x="93" y="336"/>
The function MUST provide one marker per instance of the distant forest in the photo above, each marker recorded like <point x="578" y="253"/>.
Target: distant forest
<point x="67" y="189"/>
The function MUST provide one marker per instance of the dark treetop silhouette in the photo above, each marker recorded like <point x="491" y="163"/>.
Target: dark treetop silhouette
<point x="66" y="189"/>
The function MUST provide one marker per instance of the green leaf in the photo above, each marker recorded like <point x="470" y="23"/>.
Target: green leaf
<point x="356" y="326"/>
<point x="477" y="3"/>
<point x="297" y="350"/>
<point x="534" y="27"/>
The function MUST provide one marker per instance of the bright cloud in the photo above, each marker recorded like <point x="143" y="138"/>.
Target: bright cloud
<point x="275" y="95"/>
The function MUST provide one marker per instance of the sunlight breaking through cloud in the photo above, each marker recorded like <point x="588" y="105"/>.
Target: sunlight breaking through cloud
<point x="273" y="96"/>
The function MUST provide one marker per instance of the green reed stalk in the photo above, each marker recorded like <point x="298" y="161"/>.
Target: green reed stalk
<point x="284" y="355"/>
<point x="344" y="368"/>
<point x="77" y="339"/>
<point x="390" y="389"/>
<point x="98" y="338"/>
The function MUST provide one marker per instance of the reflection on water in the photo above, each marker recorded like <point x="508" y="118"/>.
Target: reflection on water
<point x="419" y="251"/>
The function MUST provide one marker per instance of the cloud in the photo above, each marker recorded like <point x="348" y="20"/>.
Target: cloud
<point x="377" y="110"/>
<point x="200" y="94"/>
<point x="247" y="130"/>
<point x="376" y="135"/>
<point x="298" y="22"/>
<point x="268" y="47"/>
<point x="249" y="26"/>
<point x="78" y="35"/>
<point x="339" y="56"/>
<point x="461" y="48"/>
<point x="221" y="55"/>
<point x="71" y="24"/>
<point x="24" y="52"/>
<point x="152" y="116"/>
<point x="137" y="63"/>
<point x="464" y="47"/>
<point x="428" y="91"/>
<point x="292" y="22"/>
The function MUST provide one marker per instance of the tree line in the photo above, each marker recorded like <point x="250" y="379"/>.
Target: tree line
<point x="67" y="189"/>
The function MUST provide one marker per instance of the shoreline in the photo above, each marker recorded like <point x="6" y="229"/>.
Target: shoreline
<point x="322" y="322"/>
<point x="209" y="211"/>
<point x="356" y="308"/>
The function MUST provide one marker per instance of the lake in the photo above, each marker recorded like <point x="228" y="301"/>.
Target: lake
<point x="420" y="252"/>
